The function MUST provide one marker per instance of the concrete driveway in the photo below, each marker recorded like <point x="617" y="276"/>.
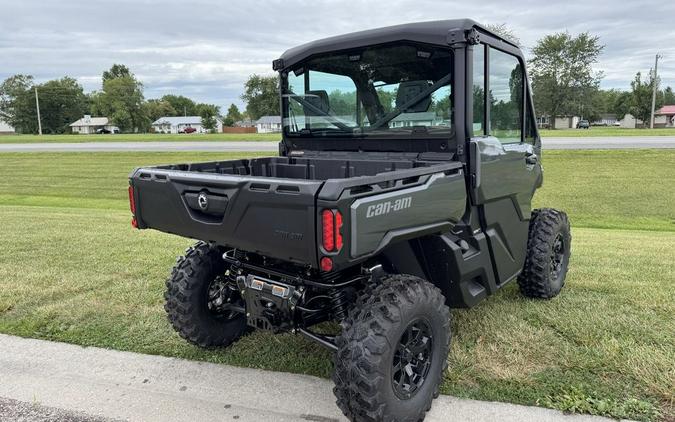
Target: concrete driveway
<point x="626" y="142"/>
<point x="92" y="384"/>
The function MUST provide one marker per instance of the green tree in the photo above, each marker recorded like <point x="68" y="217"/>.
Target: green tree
<point x="387" y="97"/>
<point x="622" y="104"/>
<point x="342" y="103"/>
<point x="668" y="96"/>
<point x="116" y="71"/>
<point x="155" y="109"/>
<point x="605" y="99"/>
<point x="121" y="100"/>
<point x="208" y="113"/>
<point x="201" y="108"/>
<point x="183" y="105"/>
<point x="563" y="80"/>
<point x="16" y="103"/>
<point x="441" y="107"/>
<point x="233" y="115"/>
<point x="62" y="101"/>
<point x="641" y="97"/>
<point x="261" y="95"/>
<point x="503" y="31"/>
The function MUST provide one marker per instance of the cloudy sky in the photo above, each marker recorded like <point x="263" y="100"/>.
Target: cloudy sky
<point x="205" y="49"/>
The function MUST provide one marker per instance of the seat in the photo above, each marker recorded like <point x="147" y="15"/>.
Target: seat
<point x="410" y="89"/>
<point x="318" y="99"/>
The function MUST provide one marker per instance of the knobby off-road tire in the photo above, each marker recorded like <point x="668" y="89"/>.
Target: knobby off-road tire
<point x="186" y="299"/>
<point x="386" y="324"/>
<point x="548" y="254"/>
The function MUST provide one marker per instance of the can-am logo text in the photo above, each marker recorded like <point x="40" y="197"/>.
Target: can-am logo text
<point x="386" y="207"/>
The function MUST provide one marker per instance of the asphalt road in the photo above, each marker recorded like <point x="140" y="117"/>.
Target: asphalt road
<point x="19" y="411"/>
<point x="625" y="142"/>
<point x="129" y="386"/>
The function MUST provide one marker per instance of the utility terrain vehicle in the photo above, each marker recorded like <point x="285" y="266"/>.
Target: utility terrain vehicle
<point x="403" y="187"/>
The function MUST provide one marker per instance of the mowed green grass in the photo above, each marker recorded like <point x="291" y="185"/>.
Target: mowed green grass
<point x="139" y="137"/>
<point x="605" y="131"/>
<point x="72" y="269"/>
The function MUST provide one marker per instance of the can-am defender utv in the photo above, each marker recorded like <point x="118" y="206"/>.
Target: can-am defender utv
<point x="403" y="187"/>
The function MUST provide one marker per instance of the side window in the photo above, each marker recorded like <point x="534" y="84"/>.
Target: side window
<point x="505" y="97"/>
<point x="530" y="126"/>
<point x="479" y="90"/>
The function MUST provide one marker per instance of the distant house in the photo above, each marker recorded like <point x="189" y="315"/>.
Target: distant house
<point x="629" y="122"/>
<point x="566" y="122"/>
<point x="665" y="116"/>
<point x="427" y="118"/>
<point x="87" y="125"/>
<point x="561" y="122"/>
<point x="607" y="119"/>
<point x="268" y="124"/>
<point x="6" y="129"/>
<point x="180" y="123"/>
<point x="245" y="123"/>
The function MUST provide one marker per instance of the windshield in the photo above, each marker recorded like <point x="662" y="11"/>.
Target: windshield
<point x="375" y="91"/>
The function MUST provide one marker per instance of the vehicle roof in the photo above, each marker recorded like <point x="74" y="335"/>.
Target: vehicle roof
<point x="431" y="32"/>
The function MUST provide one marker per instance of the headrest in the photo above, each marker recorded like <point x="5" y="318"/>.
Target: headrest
<point x="410" y="89"/>
<point x="318" y="99"/>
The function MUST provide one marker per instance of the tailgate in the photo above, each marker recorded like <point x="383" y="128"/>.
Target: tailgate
<point x="271" y="216"/>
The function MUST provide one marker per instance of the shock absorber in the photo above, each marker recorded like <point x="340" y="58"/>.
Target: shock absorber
<point x="339" y="300"/>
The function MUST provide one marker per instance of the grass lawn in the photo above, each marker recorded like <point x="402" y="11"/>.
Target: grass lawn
<point x="139" y="137"/>
<point x="605" y="131"/>
<point x="72" y="269"/>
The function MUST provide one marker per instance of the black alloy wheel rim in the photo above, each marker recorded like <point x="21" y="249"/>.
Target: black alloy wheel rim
<point x="412" y="359"/>
<point x="557" y="257"/>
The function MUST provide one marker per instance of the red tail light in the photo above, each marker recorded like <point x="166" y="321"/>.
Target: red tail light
<point x="132" y="207"/>
<point x="331" y="223"/>
<point x="132" y="201"/>
<point x="326" y="264"/>
<point x="328" y="222"/>
<point x="338" y="227"/>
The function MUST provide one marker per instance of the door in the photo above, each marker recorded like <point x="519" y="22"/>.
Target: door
<point x="504" y="153"/>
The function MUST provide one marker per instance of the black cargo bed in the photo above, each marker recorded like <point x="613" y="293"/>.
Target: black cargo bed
<point x="262" y="205"/>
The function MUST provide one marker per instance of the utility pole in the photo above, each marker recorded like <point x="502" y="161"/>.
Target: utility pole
<point x="185" y="111"/>
<point x="37" y="105"/>
<point x="656" y="66"/>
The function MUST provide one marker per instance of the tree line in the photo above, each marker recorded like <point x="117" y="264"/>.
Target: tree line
<point x="63" y="101"/>
<point x="564" y="83"/>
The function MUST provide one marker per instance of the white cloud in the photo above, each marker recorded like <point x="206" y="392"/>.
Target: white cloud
<point x="206" y="49"/>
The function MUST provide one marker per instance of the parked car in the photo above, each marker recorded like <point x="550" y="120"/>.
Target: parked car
<point x="583" y="124"/>
<point x="378" y="230"/>
<point x="103" y="131"/>
<point x="189" y="130"/>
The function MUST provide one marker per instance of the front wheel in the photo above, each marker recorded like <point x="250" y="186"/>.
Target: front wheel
<point x="548" y="254"/>
<point x="203" y="306"/>
<point x="392" y="352"/>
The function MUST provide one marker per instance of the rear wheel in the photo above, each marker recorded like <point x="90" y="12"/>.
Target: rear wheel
<point x="392" y="352"/>
<point x="548" y="254"/>
<point x="202" y="304"/>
